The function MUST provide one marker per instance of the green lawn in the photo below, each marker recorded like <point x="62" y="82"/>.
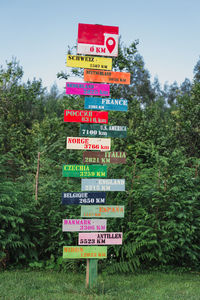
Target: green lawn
<point x="17" y="285"/>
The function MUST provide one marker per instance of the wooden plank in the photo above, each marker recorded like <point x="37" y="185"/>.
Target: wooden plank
<point x="37" y="177"/>
<point x="97" y="130"/>
<point x="84" y="171"/>
<point x="92" y="89"/>
<point x="87" y="273"/>
<point x="103" y="185"/>
<point x="89" y="62"/>
<point x="107" y="76"/>
<point x="98" y="39"/>
<point x="99" y="211"/>
<point x="81" y="143"/>
<point x="74" y="252"/>
<point x="92" y="269"/>
<point x="85" y="116"/>
<point x="106" y="104"/>
<point x="104" y="157"/>
<point x="100" y="238"/>
<point x="84" y="198"/>
<point x="71" y="225"/>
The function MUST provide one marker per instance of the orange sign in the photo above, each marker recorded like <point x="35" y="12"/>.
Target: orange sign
<point x="106" y="76"/>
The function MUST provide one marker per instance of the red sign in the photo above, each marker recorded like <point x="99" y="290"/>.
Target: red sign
<point x="85" y="116"/>
<point x="98" y="39"/>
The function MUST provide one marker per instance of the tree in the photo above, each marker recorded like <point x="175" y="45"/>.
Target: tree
<point x="20" y="106"/>
<point x="187" y="118"/>
<point x="196" y="71"/>
<point x="186" y="87"/>
<point x="171" y="92"/>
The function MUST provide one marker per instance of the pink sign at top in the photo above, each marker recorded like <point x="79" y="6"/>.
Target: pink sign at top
<point x="92" y="89"/>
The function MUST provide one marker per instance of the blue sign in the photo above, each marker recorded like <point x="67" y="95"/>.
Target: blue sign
<point x="83" y="198"/>
<point x="98" y="103"/>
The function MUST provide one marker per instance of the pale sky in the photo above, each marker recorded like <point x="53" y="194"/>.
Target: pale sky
<point x="38" y="32"/>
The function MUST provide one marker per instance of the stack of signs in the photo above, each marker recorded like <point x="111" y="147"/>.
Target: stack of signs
<point x="95" y="134"/>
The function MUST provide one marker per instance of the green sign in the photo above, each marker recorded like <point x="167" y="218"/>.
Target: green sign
<point x="73" y="252"/>
<point x="103" y="130"/>
<point x="102" y="211"/>
<point x="84" y="171"/>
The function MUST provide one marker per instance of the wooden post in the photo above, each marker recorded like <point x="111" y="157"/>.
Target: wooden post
<point x="87" y="274"/>
<point x="36" y="177"/>
<point x="91" y="272"/>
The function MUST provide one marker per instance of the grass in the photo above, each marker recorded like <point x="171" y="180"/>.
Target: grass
<point x="46" y="285"/>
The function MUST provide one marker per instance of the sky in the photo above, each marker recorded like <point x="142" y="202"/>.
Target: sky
<point x="38" y="32"/>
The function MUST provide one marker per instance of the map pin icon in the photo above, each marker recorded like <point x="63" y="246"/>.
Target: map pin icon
<point x="110" y="44"/>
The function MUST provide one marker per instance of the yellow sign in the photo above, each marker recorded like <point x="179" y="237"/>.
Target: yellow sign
<point x="89" y="62"/>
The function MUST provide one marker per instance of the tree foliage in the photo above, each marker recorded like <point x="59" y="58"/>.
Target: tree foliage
<point x="162" y="212"/>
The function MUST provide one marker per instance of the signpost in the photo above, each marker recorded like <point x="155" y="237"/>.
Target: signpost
<point x="91" y="272"/>
<point x="92" y="89"/>
<point x="98" y="252"/>
<point x="84" y="198"/>
<point x="84" y="171"/>
<point x="80" y="143"/>
<point x="105" y="238"/>
<point x="85" y="116"/>
<point x="71" y="225"/>
<point x="103" y="185"/>
<point x="105" y="211"/>
<point x="89" y="62"/>
<point x="97" y="39"/>
<point x="106" y="104"/>
<point x="104" y="157"/>
<point x="98" y="130"/>
<point x="106" y="76"/>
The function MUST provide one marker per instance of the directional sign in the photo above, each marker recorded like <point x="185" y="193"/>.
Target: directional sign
<point x="92" y="89"/>
<point x="89" y="62"/>
<point x="98" y="39"/>
<point x="105" y="211"/>
<point x="84" y="198"/>
<point x="84" y="171"/>
<point x="106" y="76"/>
<point x="97" y="130"/>
<point x="104" y="157"/>
<point x="85" y="116"/>
<point x="100" y="238"/>
<point x="80" y="143"/>
<point x="106" y="104"/>
<point x="71" y="225"/>
<point x="98" y="252"/>
<point x="103" y="185"/>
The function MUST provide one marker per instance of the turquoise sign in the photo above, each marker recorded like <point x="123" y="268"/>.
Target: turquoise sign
<point x="98" y="103"/>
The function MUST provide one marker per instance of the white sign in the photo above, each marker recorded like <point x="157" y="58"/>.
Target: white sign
<point x="84" y="225"/>
<point x="81" y="143"/>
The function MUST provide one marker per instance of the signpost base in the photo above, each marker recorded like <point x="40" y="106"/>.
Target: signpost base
<point x="91" y="273"/>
